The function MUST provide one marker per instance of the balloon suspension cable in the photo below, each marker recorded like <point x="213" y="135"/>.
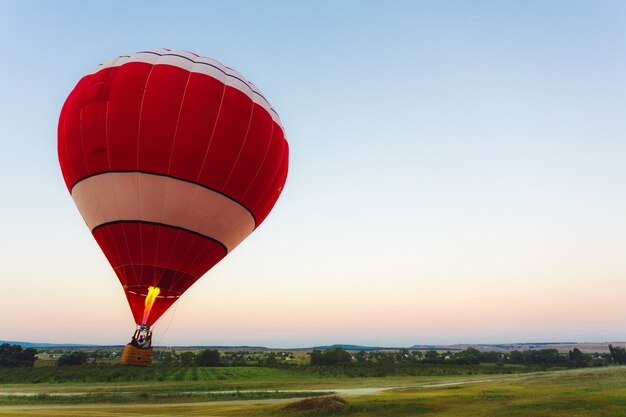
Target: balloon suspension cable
<point x="164" y="332"/>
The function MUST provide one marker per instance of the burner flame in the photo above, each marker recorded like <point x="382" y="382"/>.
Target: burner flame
<point x="150" y="299"/>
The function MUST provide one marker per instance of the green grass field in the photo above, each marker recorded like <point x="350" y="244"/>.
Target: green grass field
<point x="166" y="379"/>
<point x="569" y="393"/>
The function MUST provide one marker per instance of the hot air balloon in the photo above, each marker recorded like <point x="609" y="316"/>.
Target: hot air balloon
<point x="172" y="159"/>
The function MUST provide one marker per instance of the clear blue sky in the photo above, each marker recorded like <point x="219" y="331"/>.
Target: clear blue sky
<point x="457" y="172"/>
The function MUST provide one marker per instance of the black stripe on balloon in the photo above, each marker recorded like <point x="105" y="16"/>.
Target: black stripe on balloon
<point x="161" y="283"/>
<point x="168" y="176"/>
<point x="182" y="229"/>
<point x="121" y="56"/>
<point x="217" y="68"/>
<point x="127" y="288"/>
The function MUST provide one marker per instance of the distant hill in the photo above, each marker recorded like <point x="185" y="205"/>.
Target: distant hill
<point x="70" y="345"/>
<point x="498" y="347"/>
<point x="79" y="345"/>
<point x="45" y="345"/>
<point x="437" y="347"/>
<point x="508" y="347"/>
<point x="352" y="347"/>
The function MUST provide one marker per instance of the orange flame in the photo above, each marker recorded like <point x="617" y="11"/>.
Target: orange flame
<point x="150" y="299"/>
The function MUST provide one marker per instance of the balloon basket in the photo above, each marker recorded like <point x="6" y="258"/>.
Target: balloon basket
<point x="136" y="356"/>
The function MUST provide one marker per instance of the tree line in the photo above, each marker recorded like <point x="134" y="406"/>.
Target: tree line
<point x="15" y="355"/>
<point x="469" y="356"/>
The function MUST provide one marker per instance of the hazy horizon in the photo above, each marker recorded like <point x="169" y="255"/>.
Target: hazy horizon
<point x="252" y="346"/>
<point x="456" y="173"/>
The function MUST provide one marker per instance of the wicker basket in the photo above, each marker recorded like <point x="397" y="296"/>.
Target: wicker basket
<point x="135" y="356"/>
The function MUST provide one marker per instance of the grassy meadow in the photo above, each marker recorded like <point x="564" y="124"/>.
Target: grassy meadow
<point x="54" y="384"/>
<point x="249" y="392"/>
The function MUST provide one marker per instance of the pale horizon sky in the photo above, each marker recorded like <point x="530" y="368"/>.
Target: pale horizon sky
<point x="456" y="174"/>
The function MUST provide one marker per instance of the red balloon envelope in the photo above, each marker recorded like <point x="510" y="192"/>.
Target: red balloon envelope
<point x="172" y="160"/>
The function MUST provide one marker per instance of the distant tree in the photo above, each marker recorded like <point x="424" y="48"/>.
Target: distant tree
<point x="469" y="356"/>
<point x="208" y="357"/>
<point x="431" y="356"/>
<point x="74" y="358"/>
<point x="403" y="355"/>
<point x="316" y="357"/>
<point x="417" y="355"/>
<point x="187" y="358"/>
<point x="361" y="356"/>
<point x="270" y="359"/>
<point x="618" y="354"/>
<point x="338" y="355"/>
<point x="332" y="356"/>
<point x="490" y="357"/>
<point x="578" y="358"/>
<point x="537" y="357"/>
<point x="164" y="357"/>
<point x="515" y="357"/>
<point x="15" y="355"/>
